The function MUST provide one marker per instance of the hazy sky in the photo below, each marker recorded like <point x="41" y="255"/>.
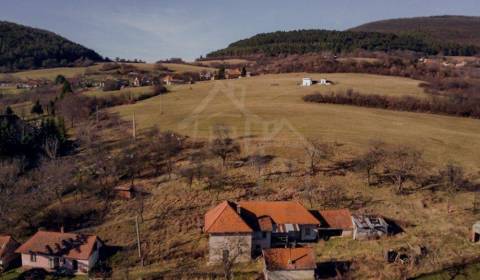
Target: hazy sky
<point x="152" y="30"/>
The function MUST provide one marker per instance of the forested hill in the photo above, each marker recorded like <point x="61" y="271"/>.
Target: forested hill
<point x="23" y="47"/>
<point x="457" y="29"/>
<point x="307" y="41"/>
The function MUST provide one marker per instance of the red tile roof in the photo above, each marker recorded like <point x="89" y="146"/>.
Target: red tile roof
<point x="68" y="245"/>
<point x="337" y="219"/>
<point x="4" y="241"/>
<point x="281" y="212"/>
<point x="289" y="259"/>
<point x="224" y="219"/>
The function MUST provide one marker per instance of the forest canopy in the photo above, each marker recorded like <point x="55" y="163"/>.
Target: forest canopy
<point x="309" y="41"/>
<point x="23" y="47"/>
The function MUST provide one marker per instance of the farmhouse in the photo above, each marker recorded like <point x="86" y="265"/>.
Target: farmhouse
<point x="243" y="229"/>
<point x="75" y="253"/>
<point x="289" y="263"/>
<point x="233" y="73"/>
<point x="369" y="227"/>
<point x="335" y="223"/>
<point x="306" y="82"/>
<point x="8" y="245"/>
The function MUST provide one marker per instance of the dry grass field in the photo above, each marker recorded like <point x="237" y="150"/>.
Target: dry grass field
<point x="271" y="108"/>
<point x="52" y="73"/>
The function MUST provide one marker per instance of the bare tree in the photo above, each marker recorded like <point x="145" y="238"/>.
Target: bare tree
<point x="401" y="164"/>
<point x="372" y="159"/>
<point x="316" y="152"/>
<point x="51" y="146"/>
<point x="223" y="145"/>
<point x="452" y="178"/>
<point x="232" y="252"/>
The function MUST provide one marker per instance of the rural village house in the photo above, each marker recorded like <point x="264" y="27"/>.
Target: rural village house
<point x="233" y="73"/>
<point x="240" y="230"/>
<point x="76" y="253"/>
<point x="289" y="263"/>
<point x="8" y="245"/>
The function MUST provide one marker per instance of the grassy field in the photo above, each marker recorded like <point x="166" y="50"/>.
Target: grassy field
<point x="271" y="108"/>
<point x="52" y="73"/>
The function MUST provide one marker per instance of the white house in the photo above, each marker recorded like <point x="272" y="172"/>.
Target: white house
<point x="306" y="82"/>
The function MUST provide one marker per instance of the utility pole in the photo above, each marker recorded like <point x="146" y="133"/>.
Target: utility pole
<point x="134" y="128"/>
<point x="139" y="245"/>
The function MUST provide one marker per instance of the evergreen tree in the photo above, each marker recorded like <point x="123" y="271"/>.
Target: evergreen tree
<point x="60" y="79"/>
<point x="8" y="111"/>
<point x="37" y="108"/>
<point x="221" y="72"/>
<point x="244" y="71"/>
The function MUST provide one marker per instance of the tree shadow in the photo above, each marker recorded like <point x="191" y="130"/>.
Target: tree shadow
<point x="332" y="269"/>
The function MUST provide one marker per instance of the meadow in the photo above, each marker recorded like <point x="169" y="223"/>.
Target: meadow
<point x="270" y="108"/>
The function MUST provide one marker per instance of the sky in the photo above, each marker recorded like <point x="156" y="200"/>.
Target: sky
<point x="153" y="30"/>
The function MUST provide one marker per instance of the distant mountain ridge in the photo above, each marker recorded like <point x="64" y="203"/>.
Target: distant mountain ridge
<point x="23" y="47"/>
<point x="447" y="28"/>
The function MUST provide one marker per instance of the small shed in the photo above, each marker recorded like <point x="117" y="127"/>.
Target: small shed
<point x="289" y="263"/>
<point x="476" y="232"/>
<point x="125" y="192"/>
<point x="325" y="82"/>
<point x="336" y="222"/>
<point x="306" y="82"/>
<point x="369" y="227"/>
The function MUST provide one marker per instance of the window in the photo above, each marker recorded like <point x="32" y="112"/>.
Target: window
<point x="226" y="255"/>
<point x="264" y="234"/>
<point x="54" y="262"/>
<point x="33" y="257"/>
<point x="75" y="265"/>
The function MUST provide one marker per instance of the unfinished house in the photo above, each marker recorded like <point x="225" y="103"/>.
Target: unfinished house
<point x="476" y="232"/>
<point x="243" y="229"/>
<point x="289" y="263"/>
<point x="8" y="245"/>
<point x="369" y="227"/>
<point x="335" y="223"/>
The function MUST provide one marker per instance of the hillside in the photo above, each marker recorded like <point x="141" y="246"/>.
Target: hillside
<point x="310" y="41"/>
<point x="24" y="47"/>
<point x="455" y="29"/>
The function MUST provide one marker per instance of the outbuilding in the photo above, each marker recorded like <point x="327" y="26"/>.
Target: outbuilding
<point x="8" y="245"/>
<point x="306" y="82"/>
<point x="289" y="263"/>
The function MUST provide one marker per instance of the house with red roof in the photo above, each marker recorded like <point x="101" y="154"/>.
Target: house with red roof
<point x="240" y="230"/>
<point x="8" y="245"/>
<point x="289" y="263"/>
<point x="74" y="252"/>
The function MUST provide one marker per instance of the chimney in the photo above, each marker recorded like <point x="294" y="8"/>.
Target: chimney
<point x="62" y="229"/>
<point x="239" y="209"/>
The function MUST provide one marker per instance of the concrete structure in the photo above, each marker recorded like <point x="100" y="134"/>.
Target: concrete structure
<point x="335" y="223"/>
<point x="324" y="82"/>
<point x="250" y="226"/>
<point x="476" y="232"/>
<point x="75" y="253"/>
<point x="306" y="82"/>
<point x="289" y="263"/>
<point x="369" y="227"/>
<point x="8" y="245"/>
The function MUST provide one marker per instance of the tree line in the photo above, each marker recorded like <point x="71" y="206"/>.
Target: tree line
<point x="454" y="105"/>
<point x="311" y="41"/>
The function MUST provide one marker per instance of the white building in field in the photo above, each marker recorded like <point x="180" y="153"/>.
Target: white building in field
<point x="306" y="82"/>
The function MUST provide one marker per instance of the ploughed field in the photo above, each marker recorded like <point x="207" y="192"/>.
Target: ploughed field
<point x="270" y="108"/>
